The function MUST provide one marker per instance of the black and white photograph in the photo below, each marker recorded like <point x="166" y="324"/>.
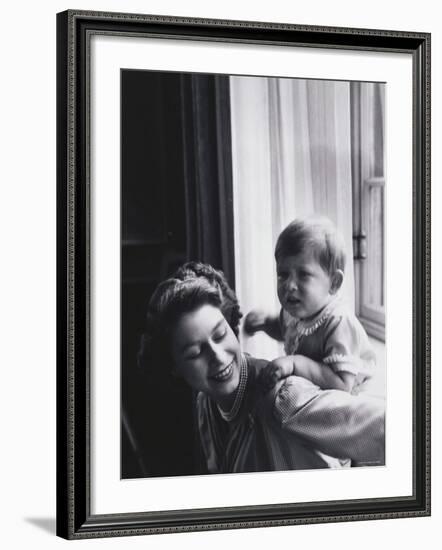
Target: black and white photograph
<point x="221" y="259"/>
<point x="243" y="269"/>
<point x="252" y="274"/>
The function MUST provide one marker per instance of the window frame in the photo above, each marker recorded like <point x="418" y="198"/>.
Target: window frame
<point x="364" y="178"/>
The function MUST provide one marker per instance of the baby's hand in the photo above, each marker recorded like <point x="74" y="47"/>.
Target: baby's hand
<point x="276" y="370"/>
<point x="255" y="320"/>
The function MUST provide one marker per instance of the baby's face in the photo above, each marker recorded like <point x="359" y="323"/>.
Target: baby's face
<point x="304" y="288"/>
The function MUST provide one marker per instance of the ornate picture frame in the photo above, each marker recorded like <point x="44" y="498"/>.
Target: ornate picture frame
<point x="76" y="218"/>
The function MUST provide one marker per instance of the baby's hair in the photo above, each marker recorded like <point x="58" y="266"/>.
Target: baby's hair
<point x="316" y="234"/>
<point x="193" y="285"/>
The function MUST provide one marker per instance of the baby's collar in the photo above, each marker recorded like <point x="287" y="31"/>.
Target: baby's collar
<point x="305" y="328"/>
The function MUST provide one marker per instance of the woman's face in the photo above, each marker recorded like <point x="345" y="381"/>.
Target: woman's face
<point x="206" y="353"/>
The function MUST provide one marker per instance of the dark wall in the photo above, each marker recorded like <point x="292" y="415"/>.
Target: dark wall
<point x="153" y="243"/>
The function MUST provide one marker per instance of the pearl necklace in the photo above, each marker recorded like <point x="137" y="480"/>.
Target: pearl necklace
<point x="230" y="415"/>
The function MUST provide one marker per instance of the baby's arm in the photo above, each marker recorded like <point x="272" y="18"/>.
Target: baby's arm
<point x="276" y="370"/>
<point x="261" y="320"/>
<point x="299" y="365"/>
<point x="322" y="375"/>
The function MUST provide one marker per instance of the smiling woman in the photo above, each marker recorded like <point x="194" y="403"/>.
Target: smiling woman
<point x="207" y="354"/>
<point x="192" y="322"/>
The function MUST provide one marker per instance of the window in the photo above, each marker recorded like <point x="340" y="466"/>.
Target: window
<point x="368" y="102"/>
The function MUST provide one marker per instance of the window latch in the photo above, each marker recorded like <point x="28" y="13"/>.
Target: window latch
<point x="360" y="246"/>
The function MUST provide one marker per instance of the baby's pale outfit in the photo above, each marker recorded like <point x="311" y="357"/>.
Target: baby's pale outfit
<point x="335" y="337"/>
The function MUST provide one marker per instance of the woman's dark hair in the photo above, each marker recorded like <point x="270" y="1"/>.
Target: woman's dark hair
<point x="193" y="284"/>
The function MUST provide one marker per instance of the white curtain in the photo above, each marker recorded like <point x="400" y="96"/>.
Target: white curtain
<point x="291" y="157"/>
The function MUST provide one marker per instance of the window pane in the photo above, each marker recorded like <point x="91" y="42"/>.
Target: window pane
<point x="375" y="256"/>
<point x="378" y="130"/>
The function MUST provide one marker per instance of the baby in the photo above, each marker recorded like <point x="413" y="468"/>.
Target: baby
<point x="323" y="340"/>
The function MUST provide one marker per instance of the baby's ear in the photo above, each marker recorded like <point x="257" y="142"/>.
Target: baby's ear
<point x="336" y="281"/>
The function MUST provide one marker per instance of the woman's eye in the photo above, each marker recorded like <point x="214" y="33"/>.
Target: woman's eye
<point x="281" y="275"/>
<point x="192" y="354"/>
<point x="219" y="335"/>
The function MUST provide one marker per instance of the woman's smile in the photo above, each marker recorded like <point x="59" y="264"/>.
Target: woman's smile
<point x="225" y="374"/>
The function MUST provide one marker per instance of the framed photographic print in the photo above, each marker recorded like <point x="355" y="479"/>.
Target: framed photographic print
<point x="243" y="274"/>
